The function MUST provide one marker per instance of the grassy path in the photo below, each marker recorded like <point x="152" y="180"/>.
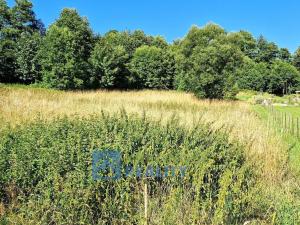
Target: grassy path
<point x="292" y="141"/>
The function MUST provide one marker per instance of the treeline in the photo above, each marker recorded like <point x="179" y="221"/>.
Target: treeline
<point x="208" y="61"/>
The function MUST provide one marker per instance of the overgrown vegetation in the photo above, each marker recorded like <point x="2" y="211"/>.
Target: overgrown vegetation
<point x="240" y="168"/>
<point x="28" y="110"/>
<point x="208" y="61"/>
<point x="46" y="173"/>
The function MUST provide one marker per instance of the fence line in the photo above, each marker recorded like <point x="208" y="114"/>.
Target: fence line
<point x="286" y="122"/>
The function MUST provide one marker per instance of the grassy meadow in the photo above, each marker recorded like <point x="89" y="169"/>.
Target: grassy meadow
<point x="242" y="169"/>
<point x="124" y="127"/>
<point x="293" y="110"/>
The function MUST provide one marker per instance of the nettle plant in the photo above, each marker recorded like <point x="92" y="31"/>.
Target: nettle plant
<point x="46" y="173"/>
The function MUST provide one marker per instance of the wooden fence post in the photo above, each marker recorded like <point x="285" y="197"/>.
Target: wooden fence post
<point x="146" y="202"/>
<point x="298" y="134"/>
<point x="285" y="122"/>
<point x="293" y="130"/>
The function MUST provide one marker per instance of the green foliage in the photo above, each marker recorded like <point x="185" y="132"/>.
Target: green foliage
<point x="244" y="41"/>
<point x="4" y="14"/>
<point x="201" y="37"/>
<point x="182" y="65"/>
<point x="159" y="42"/>
<point x="208" y="59"/>
<point x="201" y="69"/>
<point x="16" y="22"/>
<point x="137" y="39"/>
<point x="23" y="18"/>
<point x="109" y="65"/>
<point x="60" y="69"/>
<point x="267" y="51"/>
<point x="65" y="52"/>
<point x="252" y="76"/>
<point x="45" y="173"/>
<point x="211" y="71"/>
<point x="285" y="55"/>
<point x="283" y="79"/>
<point x="153" y="67"/>
<point x="27" y="59"/>
<point x="296" y="60"/>
<point x="79" y="26"/>
<point x="7" y="60"/>
<point x="72" y="57"/>
<point x="132" y="40"/>
<point x="112" y="55"/>
<point x="279" y="78"/>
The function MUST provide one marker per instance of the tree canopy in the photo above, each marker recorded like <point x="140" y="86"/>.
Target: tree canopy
<point x="153" y="67"/>
<point x="16" y="23"/>
<point x="209" y="61"/>
<point x="65" y="52"/>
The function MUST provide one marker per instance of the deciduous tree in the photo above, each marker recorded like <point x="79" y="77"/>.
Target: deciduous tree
<point x="65" y="52"/>
<point x="28" y="62"/>
<point x="267" y="51"/>
<point x="109" y="66"/>
<point x="16" y="22"/>
<point x="296" y="59"/>
<point x="153" y="67"/>
<point x="283" y="79"/>
<point x="211" y="71"/>
<point x="252" y="75"/>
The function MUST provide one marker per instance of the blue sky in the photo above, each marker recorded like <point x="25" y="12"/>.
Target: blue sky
<point x="278" y="21"/>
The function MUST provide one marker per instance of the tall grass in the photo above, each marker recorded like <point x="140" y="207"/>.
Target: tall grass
<point x="19" y="104"/>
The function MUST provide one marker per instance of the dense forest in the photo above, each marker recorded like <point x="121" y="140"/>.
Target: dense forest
<point x="209" y="61"/>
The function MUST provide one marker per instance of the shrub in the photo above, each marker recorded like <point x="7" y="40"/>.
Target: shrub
<point x="45" y="173"/>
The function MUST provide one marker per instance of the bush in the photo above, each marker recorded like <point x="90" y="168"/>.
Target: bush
<point x="45" y="173"/>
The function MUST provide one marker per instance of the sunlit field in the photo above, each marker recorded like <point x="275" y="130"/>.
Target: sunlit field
<point x="107" y="124"/>
<point x="25" y="104"/>
<point x="264" y="149"/>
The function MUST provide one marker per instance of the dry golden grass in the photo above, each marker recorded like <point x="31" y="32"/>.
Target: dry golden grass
<point x="20" y="104"/>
